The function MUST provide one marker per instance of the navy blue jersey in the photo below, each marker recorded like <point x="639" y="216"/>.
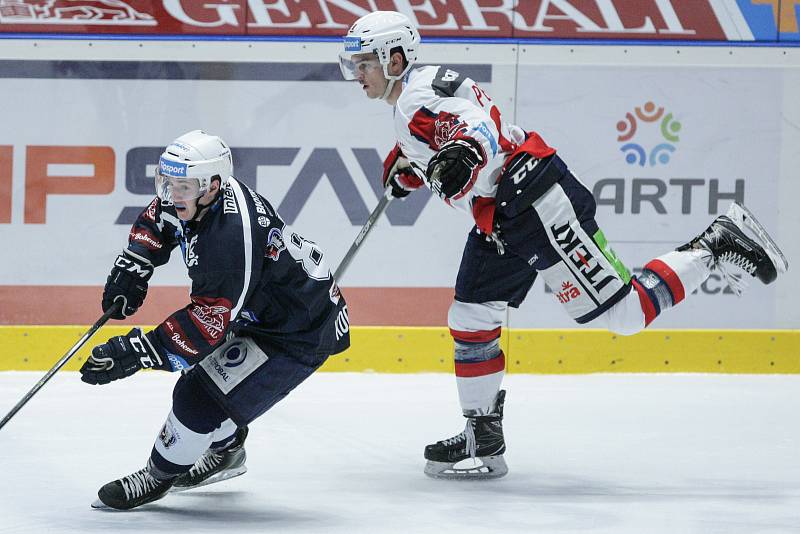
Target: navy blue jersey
<point x="250" y="273"/>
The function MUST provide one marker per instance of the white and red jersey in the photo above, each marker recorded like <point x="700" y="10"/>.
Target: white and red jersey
<point x="438" y="104"/>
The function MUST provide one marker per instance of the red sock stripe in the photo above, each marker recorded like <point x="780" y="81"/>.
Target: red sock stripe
<point x="489" y="367"/>
<point x="480" y="336"/>
<point x="670" y="277"/>
<point x="644" y="299"/>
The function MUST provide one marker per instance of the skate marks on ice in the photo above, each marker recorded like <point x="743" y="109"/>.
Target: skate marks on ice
<point x="603" y="453"/>
<point x="232" y="511"/>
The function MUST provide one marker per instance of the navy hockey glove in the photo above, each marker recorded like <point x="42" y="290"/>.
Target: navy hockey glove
<point x="453" y="168"/>
<point x="128" y="283"/>
<point x="121" y="357"/>
<point x="398" y="174"/>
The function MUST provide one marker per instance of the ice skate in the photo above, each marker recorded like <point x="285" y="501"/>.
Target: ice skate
<point x="731" y="246"/>
<point x="133" y="490"/>
<point x="475" y="453"/>
<point x="216" y="466"/>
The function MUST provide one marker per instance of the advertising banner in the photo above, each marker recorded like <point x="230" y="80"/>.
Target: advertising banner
<point x="667" y="20"/>
<point x="664" y="150"/>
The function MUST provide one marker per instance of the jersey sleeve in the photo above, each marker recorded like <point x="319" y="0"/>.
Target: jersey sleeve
<point x="154" y="234"/>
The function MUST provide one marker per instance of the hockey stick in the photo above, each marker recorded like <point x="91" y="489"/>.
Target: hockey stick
<point x="376" y="213"/>
<point x="75" y="348"/>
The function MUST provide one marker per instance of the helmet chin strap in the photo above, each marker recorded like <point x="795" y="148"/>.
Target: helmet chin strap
<point x="389" y="87"/>
<point x="200" y="209"/>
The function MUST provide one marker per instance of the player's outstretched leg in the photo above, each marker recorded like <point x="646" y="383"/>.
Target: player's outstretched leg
<point x="216" y="465"/>
<point x="477" y="452"/>
<point x="134" y="490"/>
<point x="731" y="245"/>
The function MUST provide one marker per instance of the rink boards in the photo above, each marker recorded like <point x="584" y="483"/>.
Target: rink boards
<point x="430" y="349"/>
<point x="666" y="136"/>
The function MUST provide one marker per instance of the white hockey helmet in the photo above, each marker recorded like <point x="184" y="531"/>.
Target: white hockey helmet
<point x="188" y="164"/>
<point x="378" y="33"/>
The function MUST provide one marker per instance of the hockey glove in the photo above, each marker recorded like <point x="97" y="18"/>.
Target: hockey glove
<point x="121" y="357"/>
<point x="128" y="283"/>
<point x="453" y="168"/>
<point x="398" y="174"/>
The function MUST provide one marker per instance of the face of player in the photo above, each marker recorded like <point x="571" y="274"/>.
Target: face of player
<point x="186" y="209"/>
<point x="369" y="73"/>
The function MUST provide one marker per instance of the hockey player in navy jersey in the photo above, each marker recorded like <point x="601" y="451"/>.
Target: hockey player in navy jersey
<point x="532" y="216"/>
<point x="264" y="314"/>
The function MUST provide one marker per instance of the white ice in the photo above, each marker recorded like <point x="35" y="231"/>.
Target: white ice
<point x="343" y="453"/>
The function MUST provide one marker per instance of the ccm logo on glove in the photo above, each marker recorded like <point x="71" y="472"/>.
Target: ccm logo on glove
<point x="121" y="357"/>
<point x="127" y="283"/>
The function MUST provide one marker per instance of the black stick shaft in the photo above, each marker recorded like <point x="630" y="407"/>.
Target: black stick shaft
<point x="362" y="235"/>
<point x="75" y="348"/>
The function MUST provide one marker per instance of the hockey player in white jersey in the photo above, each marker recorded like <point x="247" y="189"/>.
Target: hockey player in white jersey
<point x="532" y="216"/>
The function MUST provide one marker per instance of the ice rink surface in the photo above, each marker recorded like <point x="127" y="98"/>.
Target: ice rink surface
<point x="343" y="453"/>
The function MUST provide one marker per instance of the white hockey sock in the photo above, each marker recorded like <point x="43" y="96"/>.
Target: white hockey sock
<point x="666" y="280"/>
<point x="179" y="445"/>
<point x="477" y="394"/>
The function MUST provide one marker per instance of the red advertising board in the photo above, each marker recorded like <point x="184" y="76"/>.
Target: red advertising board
<point x="719" y="20"/>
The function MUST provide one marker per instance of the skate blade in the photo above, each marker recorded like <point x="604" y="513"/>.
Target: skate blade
<point x="219" y="477"/>
<point x="100" y="505"/>
<point x="485" y="467"/>
<point x="744" y="217"/>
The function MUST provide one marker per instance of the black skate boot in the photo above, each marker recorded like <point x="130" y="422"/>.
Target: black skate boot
<point x="133" y="490"/>
<point x="216" y="465"/>
<point x="477" y="452"/>
<point x="730" y="246"/>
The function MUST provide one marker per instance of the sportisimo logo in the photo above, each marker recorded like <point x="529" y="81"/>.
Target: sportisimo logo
<point x="664" y="138"/>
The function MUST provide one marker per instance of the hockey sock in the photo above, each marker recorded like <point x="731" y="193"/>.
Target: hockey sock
<point x="178" y="447"/>
<point x="480" y="367"/>
<point x="195" y="422"/>
<point x="666" y="280"/>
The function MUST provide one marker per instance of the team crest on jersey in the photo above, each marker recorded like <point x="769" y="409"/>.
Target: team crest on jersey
<point x="275" y="244"/>
<point x="211" y="317"/>
<point x="445" y="128"/>
<point x="435" y="129"/>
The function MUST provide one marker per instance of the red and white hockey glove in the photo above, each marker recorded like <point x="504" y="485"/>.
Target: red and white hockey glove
<point x="398" y="174"/>
<point x="454" y="168"/>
